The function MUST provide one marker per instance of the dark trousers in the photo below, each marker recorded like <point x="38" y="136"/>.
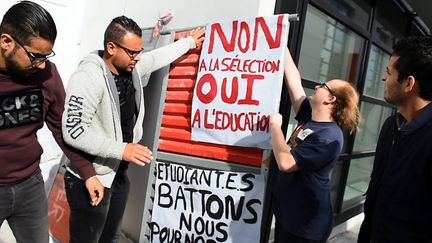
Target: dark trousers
<point x="365" y="232"/>
<point x="100" y="223"/>
<point x="283" y="236"/>
<point x="24" y="205"/>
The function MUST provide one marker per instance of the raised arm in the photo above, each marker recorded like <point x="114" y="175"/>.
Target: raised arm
<point x="282" y="151"/>
<point x="160" y="57"/>
<point x="293" y="82"/>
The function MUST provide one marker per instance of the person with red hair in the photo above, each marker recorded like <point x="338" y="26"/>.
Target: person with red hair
<point x="301" y="194"/>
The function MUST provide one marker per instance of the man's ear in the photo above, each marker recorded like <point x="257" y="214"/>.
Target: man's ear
<point x="6" y="41"/>
<point x="410" y="83"/>
<point x="110" y="48"/>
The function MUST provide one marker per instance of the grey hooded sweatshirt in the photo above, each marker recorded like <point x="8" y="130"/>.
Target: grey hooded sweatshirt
<point x="91" y="118"/>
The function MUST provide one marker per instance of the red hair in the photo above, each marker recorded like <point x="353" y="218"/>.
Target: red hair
<point x="345" y="111"/>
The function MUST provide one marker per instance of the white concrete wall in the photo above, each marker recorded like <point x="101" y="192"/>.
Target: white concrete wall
<point x="187" y="14"/>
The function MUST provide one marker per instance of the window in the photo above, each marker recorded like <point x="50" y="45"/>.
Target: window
<point x="377" y="64"/>
<point x="391" y="23"/>
<point x="357" y="10"/>
<point x="374" y="116"/>
<point x="329" y="49"/>
<point x="358" y="180"/>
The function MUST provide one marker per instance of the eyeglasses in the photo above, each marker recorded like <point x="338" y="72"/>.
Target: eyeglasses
<point x="132" y="54"/>
<point x="324" y="85"/>
<point x="36" y="58"/>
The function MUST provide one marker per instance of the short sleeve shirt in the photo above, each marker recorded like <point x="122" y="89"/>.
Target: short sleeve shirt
<point x="302" y="198"/>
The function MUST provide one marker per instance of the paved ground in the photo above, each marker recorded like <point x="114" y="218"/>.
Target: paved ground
<point x="349" y="236"/>
<point x="345" y="233"/>
<point x="346" y="237"/>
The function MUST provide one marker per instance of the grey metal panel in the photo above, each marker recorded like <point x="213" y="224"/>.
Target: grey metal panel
<point x="136" y="216"/>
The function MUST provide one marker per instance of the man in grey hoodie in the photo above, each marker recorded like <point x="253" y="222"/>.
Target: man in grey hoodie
<point x="103" y="116"/>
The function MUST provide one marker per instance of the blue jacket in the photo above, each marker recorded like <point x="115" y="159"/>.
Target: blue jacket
<point x="398" y="206"/>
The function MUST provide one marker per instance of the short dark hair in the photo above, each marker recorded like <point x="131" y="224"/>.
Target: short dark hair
<point x="26" y="20"/>
<point x="415" y="59"/>
<point x="118" y="27"/>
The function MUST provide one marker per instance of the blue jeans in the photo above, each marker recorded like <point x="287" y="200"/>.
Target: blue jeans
<point x="24" y="205"/>
<point x="96" y="224"/>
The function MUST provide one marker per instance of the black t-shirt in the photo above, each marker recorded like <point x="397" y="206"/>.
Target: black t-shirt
<point x="128" y="110"/>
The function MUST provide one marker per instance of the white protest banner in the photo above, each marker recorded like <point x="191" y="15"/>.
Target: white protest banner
<point x="239" y="81"/>
<point x="199" y="206"/>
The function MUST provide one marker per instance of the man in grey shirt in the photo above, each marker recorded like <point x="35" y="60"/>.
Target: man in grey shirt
<point x="103" y="116"/>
